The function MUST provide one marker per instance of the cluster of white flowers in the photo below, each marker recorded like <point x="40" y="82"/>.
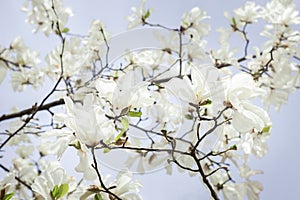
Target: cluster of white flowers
<point x="73" y="59"/>
<point x="23" y="64"/>
<point x="48" y="16"/>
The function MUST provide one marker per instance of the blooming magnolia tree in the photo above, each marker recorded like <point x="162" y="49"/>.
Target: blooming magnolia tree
<point x="178" y="105"/>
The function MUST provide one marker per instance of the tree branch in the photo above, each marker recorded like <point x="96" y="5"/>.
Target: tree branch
<point x="31" y="110"/>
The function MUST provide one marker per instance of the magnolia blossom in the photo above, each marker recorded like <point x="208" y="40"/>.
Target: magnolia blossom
<point x="94" y="44"/>
<point x="131" y="91"/>
<point x="41" y="14"/>
<point x="249" y="13"/>
<point x="126" y="188"/>
<point x="85" y="164"/>
<point x="191" y="23"/>
<point x="123" y="186"/>
<point x="138" y="15"/>
<point x="281" y="12"/>
<point x="73" y="59"/>
<point x="88" y="121"/>
<point x="23" y="63"/>
<point x="191" y="91"/>
<point x="52" y="175"/>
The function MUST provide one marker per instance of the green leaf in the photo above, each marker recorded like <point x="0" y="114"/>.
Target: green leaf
<point x="76" y="146"/>
<point x="65" y="30"/>
<point x="147" y="15"/>
<point x="125" y="126"/>
<point x="59" y="191"/>
<point x="205" y="102"/>
<point x="125" y="123"/>
<point x="233" y="21"/>
<point x="106" y="150"/>
<point x="134" y="114"/>
<point x="63" y="190"/>
<point x="98" y="197"/>
<point x="233" y="147"/>
<point x="266" y="129"/>
<point x="208" y="102"/>
<point x="8" y="196"/>
<point x="54" y="191"/>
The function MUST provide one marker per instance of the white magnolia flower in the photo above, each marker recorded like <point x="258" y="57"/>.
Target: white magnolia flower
<point x="88" y="121"/>
<point x="41" y="14"/>
<point x="249" y="117"/>
<point x="74" y="59"/>
<point x="63" y="138"/>
<point x="24" y="63"/>
<point x="281" y="12"/>
<point x="126" y="188"/>
<point x="249" y="13"/>
<point x="106" y="88"/>
<point x="192" y="90"/>
<point x="138" y="15"/>
<point x="192" y="25"/>
<point x="224" y="55"/>
<point x="26" y="169"/>
<point x="132" y="92"/>
<point x="52" y="175"/>
<point x="85" y="164"/>
<point x="95" y="42"/>
<point x="25" y="150"/>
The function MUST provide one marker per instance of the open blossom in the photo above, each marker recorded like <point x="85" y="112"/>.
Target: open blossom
<point x="85" y="164"/>
<point x="191" y="23"/>
<point x="246" y="116"/>
<point x="74" y="59"/>
<point x="23" y="63"/>
<point x="52" y="175"/>
<point x="192" y="90"/>
<point x="281" y="12"/>
<point x="127" y="188"/>
<point x="41" y="14"/>
<point x="131" y="91"/>
<point x="138" y="15"/>
<point x="122" y="186"/>
<point x="88" y="121"/>
<point x="249" y="13"/>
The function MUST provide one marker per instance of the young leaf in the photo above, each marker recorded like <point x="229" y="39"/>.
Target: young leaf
<point x="134" y="114"/>
<point x="98" y="197"/>
<point x="233" y="147"/>
<point x="266" y="129"/>
<point x="106" y="150"/>
<point x="54" y="192"/>
<point x="8" y="196"/>
<point x="63" y="190"/>
<point x="125" y="123"/>
<point x="59" y="191"/>
<point x="147" y="15"/>
<point x="65" y="30"/>
<point x="125" y="126"/>
<point x="233" y="22"/>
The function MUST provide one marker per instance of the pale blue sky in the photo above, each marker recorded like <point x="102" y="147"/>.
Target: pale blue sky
<point x="281" y="165"/>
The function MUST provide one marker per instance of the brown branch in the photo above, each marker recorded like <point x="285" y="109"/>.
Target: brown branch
<point x="95" y="166"/>
<point x="31" y="110"/>
<point x="213" y="193"/>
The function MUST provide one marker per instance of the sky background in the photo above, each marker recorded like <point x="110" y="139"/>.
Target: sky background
<point x="281" y="165"/>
